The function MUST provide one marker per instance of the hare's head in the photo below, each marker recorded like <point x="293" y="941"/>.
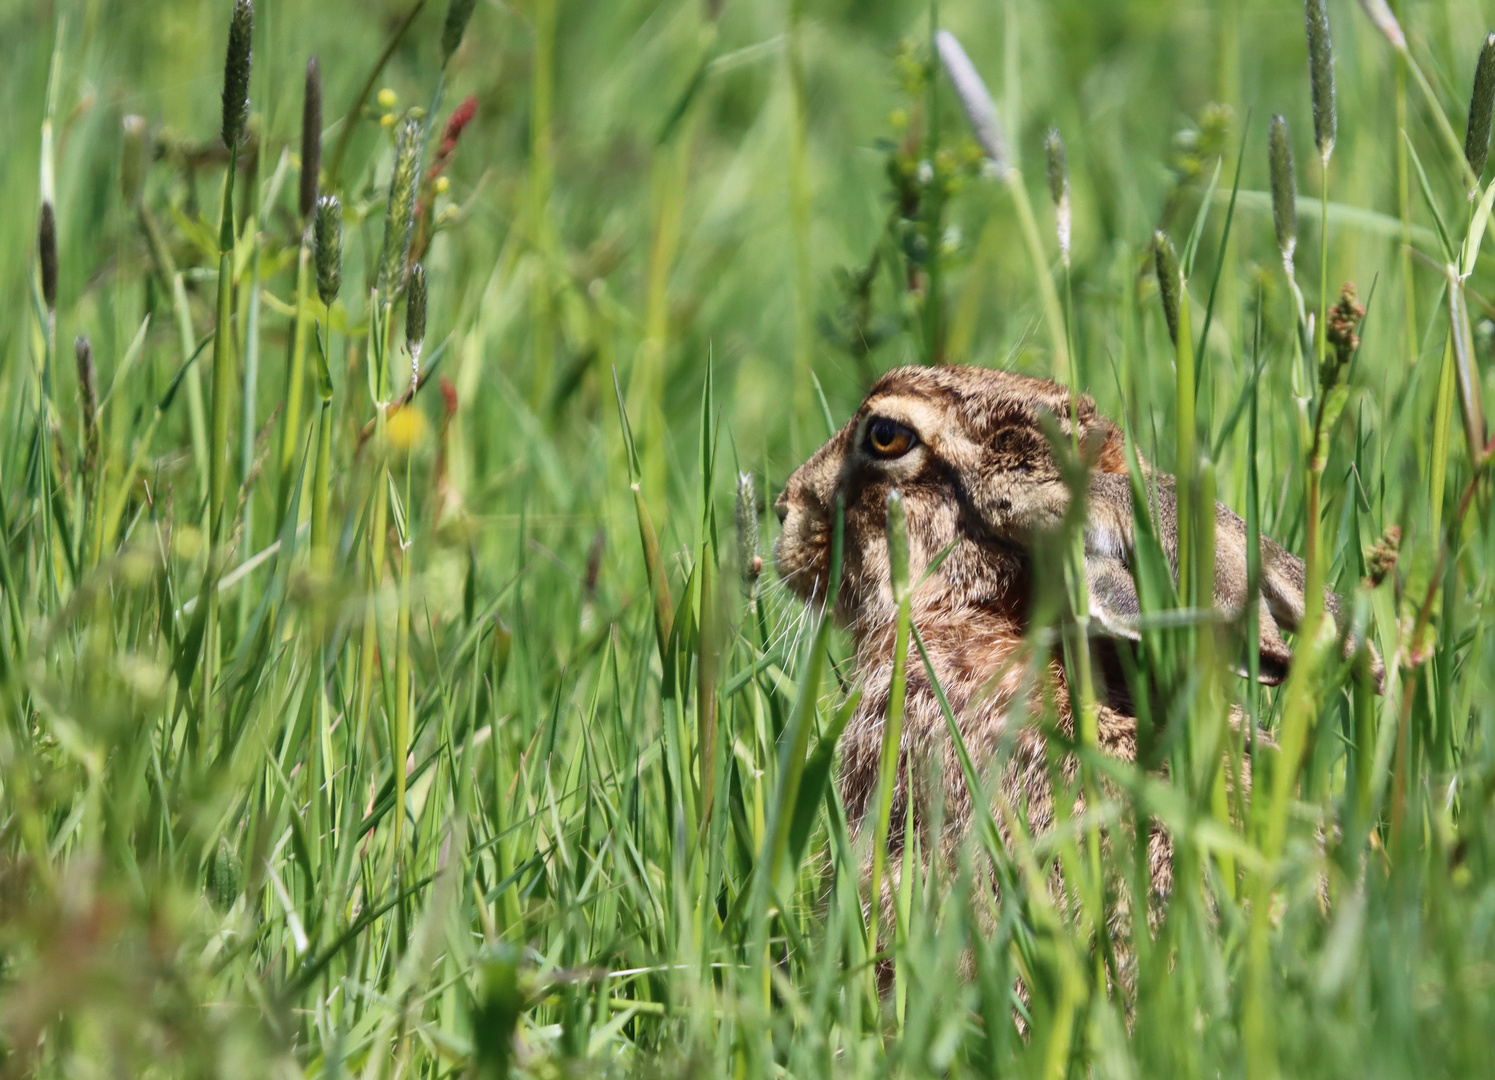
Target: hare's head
<point x="967" y="449"/>
<point x="970" y="452"/>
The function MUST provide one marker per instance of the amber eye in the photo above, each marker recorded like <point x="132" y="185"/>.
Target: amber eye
<point x="889" y="439"/>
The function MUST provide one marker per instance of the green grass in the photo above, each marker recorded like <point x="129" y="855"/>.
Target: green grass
<point x="464" y="754"/>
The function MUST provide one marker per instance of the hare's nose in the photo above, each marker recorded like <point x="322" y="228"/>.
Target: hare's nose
<point x="781" y="505"/>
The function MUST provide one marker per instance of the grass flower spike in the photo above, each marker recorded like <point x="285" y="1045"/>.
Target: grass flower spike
<point x="88" y="403"/>
<point x="399" y="215"/>
<point x="415" y="321"/>
<point x="1165" y="263"/>
<point x="328" y="232"/>
<point x="1058" y="163"/>
<point x="311" y="139"/>
<point x="976" y="100"/>
<point x="236" y="70"/>
<point x="46" y="242"/>
<point x="1343" y="330"/>
<point x="986" y="124"/>
<point x="1321" y="75"/>
<point x="1481" y="104"/>
<point x="1381" y="14"/>
<point x="749" y="562"/>
<point x="1284" y="190"/>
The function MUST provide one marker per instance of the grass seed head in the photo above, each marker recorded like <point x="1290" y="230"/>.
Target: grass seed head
<point x="1342" y="326"/>
<point x="975" y="99"/>
<point x="311" y="138"/>
<point x="1477" y="138"/>
<point x="133" y="160"/>
<point x="88" y="379"/>
<point x="46" y="242"/>
<point x="749" y="562"/>
<point x="1380" y="14"/>
<point x="399" y="215"/>
<point x="1321" y="75"/>
<point x="328" y="242"/>
<point x="1165" y="261"/>
<point x="1059" y="188"/>
<point x="224" y="876"/>
<point x="599" y="539"/>
<point x="236" y="70"/>
<point x="1284" y="190"/>
<point x="458" y="13"/>
<point x="88" y="403"/>
<point x="1381" y="559"/>
<point x="415" y="320"/>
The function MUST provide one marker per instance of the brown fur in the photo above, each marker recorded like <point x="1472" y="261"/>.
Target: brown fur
<point x="982" y="477"/>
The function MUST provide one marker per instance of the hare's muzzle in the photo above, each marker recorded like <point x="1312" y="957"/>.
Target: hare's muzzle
<point x="800" y="552"/>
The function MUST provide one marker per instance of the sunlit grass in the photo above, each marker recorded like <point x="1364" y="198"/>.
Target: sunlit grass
<point x="421" y="707"/>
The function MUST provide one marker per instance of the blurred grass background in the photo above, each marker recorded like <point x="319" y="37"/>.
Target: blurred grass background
<point x="662" y="190"/>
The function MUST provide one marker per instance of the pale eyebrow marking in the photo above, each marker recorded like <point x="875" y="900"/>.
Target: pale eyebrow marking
<point x="925" y="418"/>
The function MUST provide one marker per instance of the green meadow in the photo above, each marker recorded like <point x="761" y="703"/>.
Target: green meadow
<point x="390" y="685"/>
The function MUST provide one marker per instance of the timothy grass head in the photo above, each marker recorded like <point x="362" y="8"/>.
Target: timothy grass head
<point x="415" y="319"/>
<point x="1165" y="267"/>
<point x="46" y="244"/>
<point x="311" y="139"/>
<point x="399" y="214"/>
<point x="1058" y="175"/>
<point x="328" y="248"/>
<point x="1481" y="108"/>
<point x="975" y="100"/>
<point x="1321" y="76"/>
<point x="1284" y="184"/>
<point x="237" y="65"/>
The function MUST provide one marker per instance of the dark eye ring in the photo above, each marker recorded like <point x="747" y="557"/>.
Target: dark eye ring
<point x="889" y="439"/>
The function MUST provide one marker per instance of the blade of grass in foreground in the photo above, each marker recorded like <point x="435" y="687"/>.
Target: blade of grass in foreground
<point x="770" y="872"/>
<point x="892" y="738"/>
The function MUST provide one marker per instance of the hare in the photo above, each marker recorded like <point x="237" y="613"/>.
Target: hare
<point x="967" y="450"/>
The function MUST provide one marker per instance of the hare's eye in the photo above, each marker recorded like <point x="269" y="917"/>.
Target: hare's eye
<point x="889" y="439"/>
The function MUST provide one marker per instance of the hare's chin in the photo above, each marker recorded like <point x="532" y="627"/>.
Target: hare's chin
<point x="806" y="581"/>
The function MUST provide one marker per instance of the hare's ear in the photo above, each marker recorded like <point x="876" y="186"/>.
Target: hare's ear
<point x="1112" y="590"/>
<point x="1110" y="556"/>
<point x="1283" y="592"/>
<point x="1280" y="604"/>
<point x="1113" y="561"/>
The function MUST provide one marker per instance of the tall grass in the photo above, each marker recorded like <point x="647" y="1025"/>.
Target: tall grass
<point x="416" y="733"/>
